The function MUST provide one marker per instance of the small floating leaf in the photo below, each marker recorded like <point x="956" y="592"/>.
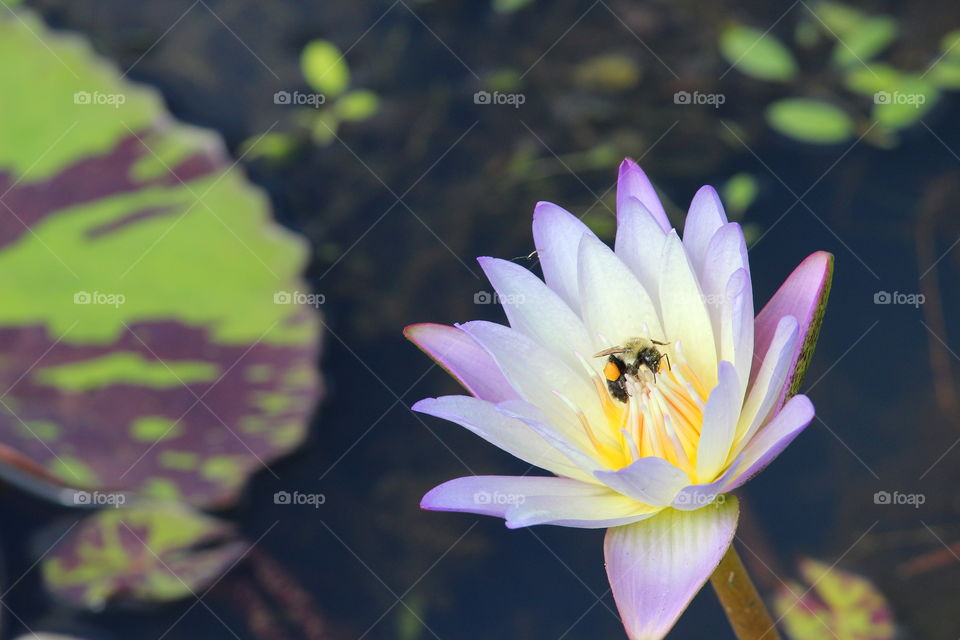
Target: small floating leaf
<point x="945" y="73"/>
<point x="357" y="105"/>
<point x="152" y="552"/>
<point x="950" y="44"/>
<point x="864" y="40"/>
<point x="757" y="54"/>
<point x="868" y="80"/>
<point x="325" y="68"/>
<point x="838" y="604"/>
<point x="905" y="104"/>
<point x="810" y="120"/>
<point x="509" y="6"/>
<point x="837" y="19"/>
<point x="739" y="192"/>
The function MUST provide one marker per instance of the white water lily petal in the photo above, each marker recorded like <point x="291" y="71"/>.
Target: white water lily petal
<point x="657" y="565"/>
<point x="463" y="358"/>
<point x="536" y="310"/>
<point x="651" y="480"/>
<point x="615" y="304"/>
<point x="634" y="183"/>
<point x="685" y="316"/>
<point x="639" y="243"/>
<point x="719" y="424"/>
<point x="508" y="433"/>
<point x="556" y="234"/>
<point x="704" y="218"/>
<point x="525" y="501"/>
<point x="538" y="376"/>
<point x="767" y="386"/>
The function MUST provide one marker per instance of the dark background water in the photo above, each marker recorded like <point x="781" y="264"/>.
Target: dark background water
<point x="467" y="177"/>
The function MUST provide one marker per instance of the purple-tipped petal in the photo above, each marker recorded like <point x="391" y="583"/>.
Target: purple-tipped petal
<point x="650" y="480"/>
<point x="793" y="418"/>
<point x="536" y="310"/>
<point x="463" y="358"/>
<point x="657" y="565"/>
<point x="506" y="432"/>
<point x="634" y="183"/>
<point x="526" y="501"/>
<point x="804" y="296"/>
<point x="704" y="218"/>
<point x="772" y="374"/>
<point x="556" y="234"/>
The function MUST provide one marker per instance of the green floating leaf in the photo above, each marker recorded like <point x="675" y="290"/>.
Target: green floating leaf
<point x="357" y="105"/>
<point x="325" y="68"/>
<point x="864" y="40"/>
<point x="810" y="120"/>
<point x="509" y="6"/>
<point x="945" y="73"/>
<point x="838" y="604"/>
<point x="272" y="146"/>
<point x="154" y="338"/>
<point x="739" y="192"/>
<point x="868" y="80"/>
<point x="837" y="19"/>
<point x="950" y="44"/>
<point x="157" y="552"/>
<point x="757" y="54"/>
<point x="609" y="72"/>
<point x="904" y="104"/>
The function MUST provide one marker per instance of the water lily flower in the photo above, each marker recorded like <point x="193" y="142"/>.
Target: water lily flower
<point x="646" y="447"/>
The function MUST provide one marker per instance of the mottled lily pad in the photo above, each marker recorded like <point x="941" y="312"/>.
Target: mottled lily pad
<point x="147" y="553"/>
<point x="155" y="335"/>
<point x="836" y="604"/>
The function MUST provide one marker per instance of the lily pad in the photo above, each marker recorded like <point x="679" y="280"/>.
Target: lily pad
<point x="864" y="40"/>
<point x="836" y="604"/>
<point x="152" y="552"/>
<point x="757" y="54"/>
<point x="153" y="336"/>
<point x="809" y="120"/>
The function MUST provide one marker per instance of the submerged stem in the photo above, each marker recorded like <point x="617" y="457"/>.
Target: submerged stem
<point x="741" y="602"/>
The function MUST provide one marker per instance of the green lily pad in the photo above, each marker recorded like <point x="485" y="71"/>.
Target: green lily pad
<point x="757" y="54"/>
<point x="906" y="103"/>
<point x="809" y="120"/>
<point x="864" y="40"/>
<point x="739" y="192"/>
<point x="838" y="604"/>
<point x="153" y="336"/>
<point x="156" y="552"/>
<point x="357" y="105"/>
<point x="868" y="80"/>
<point x="325" y="68"/>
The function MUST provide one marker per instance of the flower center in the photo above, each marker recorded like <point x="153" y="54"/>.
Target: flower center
<point x="661" y="416"/>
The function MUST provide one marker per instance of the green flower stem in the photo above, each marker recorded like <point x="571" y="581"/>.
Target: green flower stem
<point x="742" y="603"/>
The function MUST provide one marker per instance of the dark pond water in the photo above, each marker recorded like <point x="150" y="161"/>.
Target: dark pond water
<point x="469" y="175"/>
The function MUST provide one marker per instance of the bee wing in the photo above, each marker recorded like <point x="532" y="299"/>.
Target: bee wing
<point x="609" y="352"/>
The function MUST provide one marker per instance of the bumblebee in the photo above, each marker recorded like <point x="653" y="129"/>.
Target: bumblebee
<point x="626" y="360"/>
